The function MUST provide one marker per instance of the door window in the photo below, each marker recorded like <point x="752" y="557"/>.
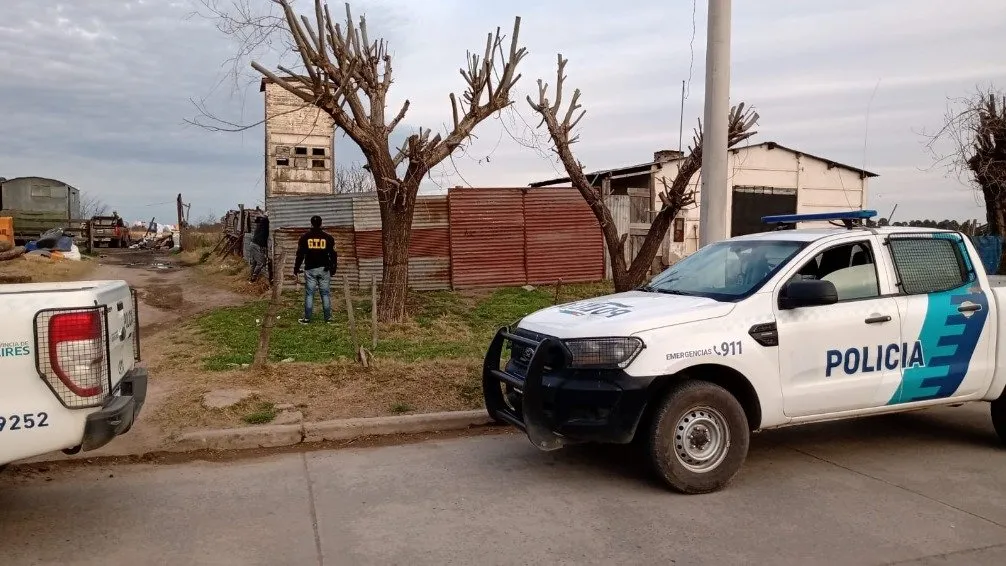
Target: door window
<point x="850" y="267"/>
<point x="928" y="265"/>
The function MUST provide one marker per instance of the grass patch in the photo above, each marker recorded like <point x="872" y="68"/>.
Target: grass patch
<point x="47" y="271"/>
<point x="400" y="408"/>
<point x="264" y="413"/>
<point x="443" y="325"/>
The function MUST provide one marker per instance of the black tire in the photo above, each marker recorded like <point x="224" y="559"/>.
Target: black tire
<point x="999" y="417"/>
<point x="718" y="418"/>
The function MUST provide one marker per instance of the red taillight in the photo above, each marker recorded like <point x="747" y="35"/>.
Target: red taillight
<point x="77" y="352"/>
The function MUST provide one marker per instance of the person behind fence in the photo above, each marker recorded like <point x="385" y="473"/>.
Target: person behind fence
<point x="316" y="252"/>
<point x="259" y="245"/>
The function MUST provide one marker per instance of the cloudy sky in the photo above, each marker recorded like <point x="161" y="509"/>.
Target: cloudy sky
<point x="96" y="92"/>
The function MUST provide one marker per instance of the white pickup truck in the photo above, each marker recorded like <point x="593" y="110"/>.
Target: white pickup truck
<point x="68" y="367"/>
<point x="757" y="332"/>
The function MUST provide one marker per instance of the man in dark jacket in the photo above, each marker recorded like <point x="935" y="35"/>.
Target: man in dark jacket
<point x="316" y="253"/>
<point x="259" y="245"/>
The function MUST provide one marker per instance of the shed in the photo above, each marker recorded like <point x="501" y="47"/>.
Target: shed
<point x="765" y="178"/>
<point x="38" y="204"/>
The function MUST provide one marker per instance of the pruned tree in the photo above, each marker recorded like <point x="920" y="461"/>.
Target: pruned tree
<point x="353" y="179"/>
<point x="971" y="145"/>
<point x="347" y="74"/>
<point x="675" y="196"/>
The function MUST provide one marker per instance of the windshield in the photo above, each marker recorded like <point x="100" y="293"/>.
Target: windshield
<point x="725" y="271"/>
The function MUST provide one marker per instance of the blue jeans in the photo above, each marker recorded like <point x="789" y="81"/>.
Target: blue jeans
<point x="321" y="280"/>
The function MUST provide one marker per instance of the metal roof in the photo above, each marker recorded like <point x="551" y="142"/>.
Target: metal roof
<point x="40" y="179"/>
<point x="644" y="167"/>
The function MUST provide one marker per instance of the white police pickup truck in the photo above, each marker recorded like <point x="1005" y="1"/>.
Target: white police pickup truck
<point x="767" y="330"/>
<point x="68" y="374"/>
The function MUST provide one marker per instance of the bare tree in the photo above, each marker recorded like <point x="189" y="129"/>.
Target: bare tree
<point x="91" y="206"/>
<point x="674" y="197"/>
<point x="209" y="220"/>
<point x="346" y="74"/>
<point x="353" y="179"/>
<point x="971" y="145"/>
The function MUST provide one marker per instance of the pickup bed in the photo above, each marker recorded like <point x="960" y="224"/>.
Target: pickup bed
<point x="757" y="332"/>
<point x="68" y="362"/>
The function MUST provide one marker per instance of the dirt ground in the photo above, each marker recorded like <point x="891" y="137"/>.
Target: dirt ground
<point x="169" y="292"/>
<point x="424" y="372"/>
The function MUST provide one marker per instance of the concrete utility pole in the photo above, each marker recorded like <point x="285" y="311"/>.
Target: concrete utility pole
<point x="714" y="199"/>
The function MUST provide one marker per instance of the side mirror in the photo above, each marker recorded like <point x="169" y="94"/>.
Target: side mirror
<point x="809" y="293"/>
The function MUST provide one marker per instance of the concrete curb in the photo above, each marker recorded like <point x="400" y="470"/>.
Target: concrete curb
<point x="272" y="436"/>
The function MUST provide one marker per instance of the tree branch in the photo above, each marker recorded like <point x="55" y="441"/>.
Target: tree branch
<point x="674" y="198"/>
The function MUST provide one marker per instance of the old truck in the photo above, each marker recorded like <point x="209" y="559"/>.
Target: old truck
<point x="773" y="329"/>
<point x="110" y="231"/>
<point x="38" y="204"/>
<point x="69" y="358"/>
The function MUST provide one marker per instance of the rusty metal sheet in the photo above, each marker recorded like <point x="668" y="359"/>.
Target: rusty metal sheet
<point x="424" y="242"/>
<point x="345" y="246"/>
<point x="563" y="237"/>
<point x="296" y="211"/>
<point x="425" y="273"/>
<point x="430" y="212"/>
<point x="487" y="237"/>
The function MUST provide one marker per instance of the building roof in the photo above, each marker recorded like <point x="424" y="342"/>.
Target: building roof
<point x="266" y="80"/>
<point x="619" y="171"/>
<point x="40" y="179"/>
<point x="645" y="167"/>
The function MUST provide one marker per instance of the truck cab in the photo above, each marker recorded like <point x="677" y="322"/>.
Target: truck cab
<point x="756" y="332"/>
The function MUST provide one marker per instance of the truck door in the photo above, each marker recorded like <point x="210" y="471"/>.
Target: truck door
<point x="945" y="315"/>
<point x="844" y="356"/>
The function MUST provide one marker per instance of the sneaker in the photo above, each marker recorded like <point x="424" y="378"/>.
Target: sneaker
<point x="329" y="322"/>
<point x="303" y="321"/>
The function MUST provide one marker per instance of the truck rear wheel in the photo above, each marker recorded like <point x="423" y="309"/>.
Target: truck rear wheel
<point x="999" y="417"/>
<point x="699" y="437"/>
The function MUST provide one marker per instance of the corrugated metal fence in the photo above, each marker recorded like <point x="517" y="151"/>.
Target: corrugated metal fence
<point x="990" y="249"/>
<point x="467" y="238"/>
<point x="290" y="218"/>
<point x="429" y="245"/>
<point x="523" y="235"/>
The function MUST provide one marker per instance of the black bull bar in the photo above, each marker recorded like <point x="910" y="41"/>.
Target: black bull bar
<point x="531" y="419"/>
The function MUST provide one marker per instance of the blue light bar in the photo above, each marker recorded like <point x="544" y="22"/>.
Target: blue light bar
<point x="821" y="216"/>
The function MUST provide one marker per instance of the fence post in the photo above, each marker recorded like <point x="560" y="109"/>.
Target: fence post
<point x="349" y="312"/>
<point x="262" y="352"/>
<point x="373" y="310"/>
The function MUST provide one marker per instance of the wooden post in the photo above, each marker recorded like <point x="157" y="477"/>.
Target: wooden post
<point x="90" y="237"/>
<point x="558" y="287"/>
<point x="262" y="352"/>
<point x="373" y="311"/>
<point x="349" y="312"/>
<point x="180" y="225"/>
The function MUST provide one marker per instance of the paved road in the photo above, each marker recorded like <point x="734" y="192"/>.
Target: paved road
<point x="922" y="488"/>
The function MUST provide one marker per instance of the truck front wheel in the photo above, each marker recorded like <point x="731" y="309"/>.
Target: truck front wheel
<point x="999" y="417"/>
<point x="699" y="437"/>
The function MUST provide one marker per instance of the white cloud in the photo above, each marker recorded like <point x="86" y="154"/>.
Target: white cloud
<point x="95" y="91"/>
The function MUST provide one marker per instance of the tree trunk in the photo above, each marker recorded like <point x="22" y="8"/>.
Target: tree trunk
<point x="396" y="233"/>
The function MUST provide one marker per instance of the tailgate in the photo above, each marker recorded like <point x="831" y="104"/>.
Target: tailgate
<point x="123" y="329"/>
